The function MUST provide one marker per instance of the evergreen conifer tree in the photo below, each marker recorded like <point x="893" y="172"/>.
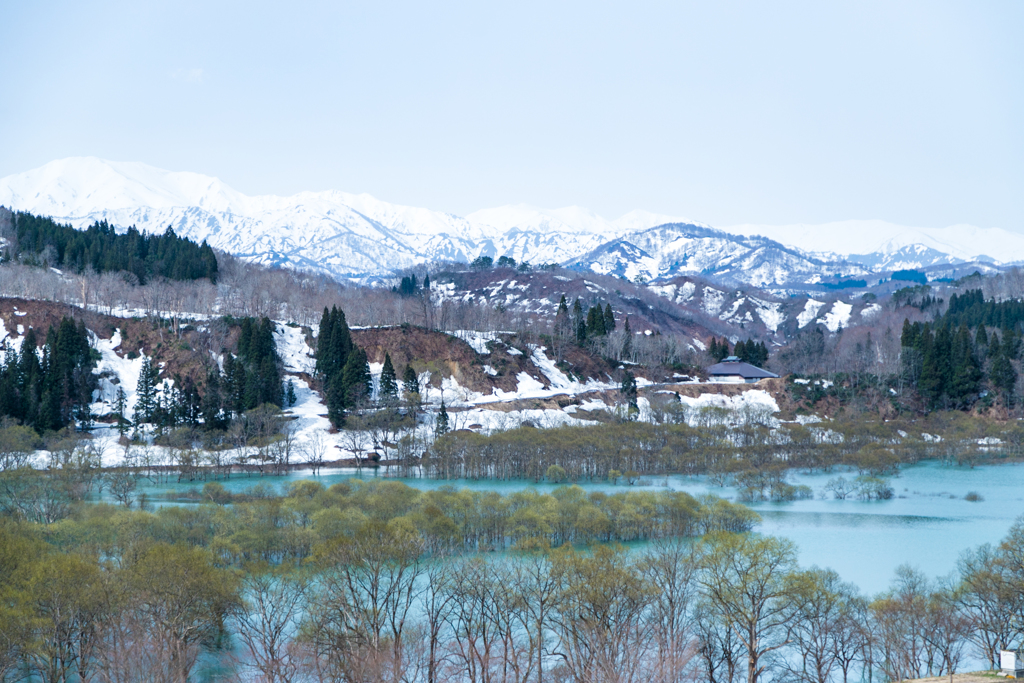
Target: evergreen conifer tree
<point x="145" y="393"/>
<point x="966" y="371"/>
<point x="1004" y="377"/>
<point x="410" y="382"/>
<point x="609" y="319"/>
<point x="629" y="392"/>
<point x="935" y="360"/>
<point x="211" y="404"/>
<point x="579" y="322"/>
<point x="981" y="338"/>
<point x="335" y="398"/>
<point x="595" y="322"/>
<point x="356" y="378"/>
<point x="387" y="387"/>
<point x="563" y="322"/>
<point x="441" y="426"/>
<point x="290" y="392"/>
<point x="120" y="406"/>
<point x="994" y="347"/>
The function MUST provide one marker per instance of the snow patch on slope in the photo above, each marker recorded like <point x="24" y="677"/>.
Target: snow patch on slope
<point x="838" y="317"/>
<point x="809" y="313"/>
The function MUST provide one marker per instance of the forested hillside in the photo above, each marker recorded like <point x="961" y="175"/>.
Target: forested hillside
<point x="38" y="239"/>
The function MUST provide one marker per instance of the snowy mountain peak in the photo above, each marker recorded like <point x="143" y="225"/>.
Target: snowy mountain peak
<point x="358" y="235"/>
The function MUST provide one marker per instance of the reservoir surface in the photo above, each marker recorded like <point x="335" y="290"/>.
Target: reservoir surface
<point x="928" y="523"/>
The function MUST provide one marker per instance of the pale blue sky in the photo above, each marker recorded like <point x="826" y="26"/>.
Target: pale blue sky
<point x="725" y="112"/>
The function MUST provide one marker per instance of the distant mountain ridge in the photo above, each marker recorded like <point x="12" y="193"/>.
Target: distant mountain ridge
<point x="358" y="236"/>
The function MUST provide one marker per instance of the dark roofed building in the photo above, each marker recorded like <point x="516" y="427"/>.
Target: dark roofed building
<point x="732" y="369"/>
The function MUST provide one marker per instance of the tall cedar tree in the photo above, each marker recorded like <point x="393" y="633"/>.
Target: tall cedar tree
<point x="1004" y="377"/>
<point x="441" y="426"/>
<point x="595" y="322"/>
<point x="629" y="393"/>
<point x="579" y="322"/>
<point x="145" y="393"/>
<point x="387" y="388"/>
<point x="341" y="366"/>
<point x="563" y="323"/>
<point x="257" y="368"/>
<point x="356" y="378"/>
<point x="410" y="382"/>
<point x="609" y="319"/>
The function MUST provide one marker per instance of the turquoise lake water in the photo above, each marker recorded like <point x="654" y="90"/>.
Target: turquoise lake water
<point x="927" y="525"/>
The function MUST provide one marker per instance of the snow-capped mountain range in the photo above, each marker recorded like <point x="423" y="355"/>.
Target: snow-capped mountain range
<point x="356" y="235"/>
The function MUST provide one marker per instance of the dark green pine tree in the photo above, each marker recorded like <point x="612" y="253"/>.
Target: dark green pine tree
<point x="1011" y="344"/>
<point x="1003" y="377"/>
<point x="441" y="426"/>
<point x="740" y="351"/>
<point x="323" y="342"/>
<point x="335" y="399"/>
<point x="426" y="282"/>
<point x="387" y="387"/>
<point x="120" y="406"/>
<point x="579" y="322"/>
<point x="356" y="378"/>
<point x="629" y="393"/>
<point x="563" y="321"/>
<point x="233" y="385"/>
<point x="145" y="393"/>
<point x="211" y="405"/>
<point x="934" y="366"/>
<point x="252" y="391"/>
<point x="981" y="338"/>
<point x="410" y="382"/>
<point x="723" y="350"/>
<point x="966" y="371"/>
<point x="609" y="319"/>
<point x="994" y="347"/>
<point x="595" y="322"/>
<point x="908" y="339"/>
<point x="290" y="392"/>
<point x="341" y="341"/>
<point x="713" y="349"/>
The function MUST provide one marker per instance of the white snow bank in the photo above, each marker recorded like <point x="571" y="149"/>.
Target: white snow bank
<point x="809" y="313"/>
<point x="294" y="351"/>
<point x="478" y="340"/>
<point x="125" y="369"/>
<point x="838" y="317"/>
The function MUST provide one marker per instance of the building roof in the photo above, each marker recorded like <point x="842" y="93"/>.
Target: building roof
<point x="732" y="366"/>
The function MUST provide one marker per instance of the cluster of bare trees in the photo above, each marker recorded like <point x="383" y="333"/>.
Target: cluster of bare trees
<point x="245" y="289"/>
<point x="729" y="609"/>
<point x="716" y="441"/>
<point x="371" y="582"/>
